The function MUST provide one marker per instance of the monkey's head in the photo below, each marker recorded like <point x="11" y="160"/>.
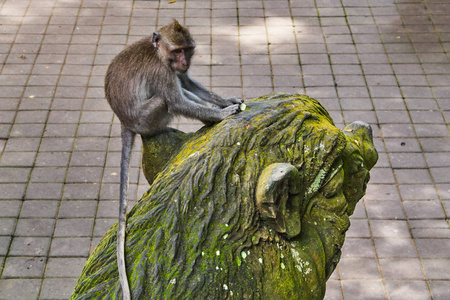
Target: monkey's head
<point x="175" y="46"/>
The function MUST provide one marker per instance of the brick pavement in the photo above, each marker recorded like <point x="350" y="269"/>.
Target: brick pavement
<point x="385" y="62"/>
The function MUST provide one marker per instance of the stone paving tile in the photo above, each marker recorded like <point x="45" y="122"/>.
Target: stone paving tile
<point x="383" y="61"/>
<point x="407" y="289"/>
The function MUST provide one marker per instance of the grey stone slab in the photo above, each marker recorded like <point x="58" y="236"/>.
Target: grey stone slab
<point x="7" y="226"/>
<point x="27" y="130"/>
<point x="20" y="288"/>
<point x="73" y="228"/>
<point x="12" y="191"/>
<point x="382" y="175"/>
<point x="359" y="229"/>
<point x="111" y="175"/>
<point x="413" y="176"/>
<point x="29" y="246"/>
<point x="64" y="267"/>
<point x="92" y="144"/>
<point x="47" y="175"/>
<point x="108" y="209"/>
<point x="18" y="159"/>
<point x="402" y="144"/>
<point x="84" y="174"/>
<point x="435" y="144"/>
<point x="441" y="175"/>
<point x="28" y="267"/>
<point x="440" y="289"/>
<point x="88" y="159"/>
<point x="390" y="229"/>
<point x="360" y="289"/>
<point x="431" y="130"/>
<point x="11" y="175"/>
<point x="44" y="191"/>
<point x="70" y="247"/>
<point x="381" y="192"/>
<point x="358" y="268"/>
<point x="22" y="144"/>
<point x="57" y="288"/>
<point x="430" y="209"/>
<point x="433" y="248"/>
<point x="10" y="208"/>
<point x="393" y="116"/>
<point x="60" y="130"/>
<point x="353" y="92"/>
<point x="395" y="248"/>
<point x="427" y="117"/>
<point x="35" y="227"/>
<point x="78" y="209"/>
<point x="437" y="268"/>
<point x="407" y="160"/>
<point x="64" y="116"/>
<point x="407" y="290"/>
<point x="385" y="210"/>
<point x="52" y="159"/>
<point x="4" y="245"/>
<point x="333" y="290"/>
<point x="56" y="144"/>
<point x="358" y="248"/>
<point x="103" y="225"/>
<point x="401" y="268"/>
<point x="443" y="233"/>
<point x="39" y="208"/>
<point x="111" y="192"/>
<point x="444" y="191"/>
<point x="355" y="115"/>
<point x="81" y="191"/>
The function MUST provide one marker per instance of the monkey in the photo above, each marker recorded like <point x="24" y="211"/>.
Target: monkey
<point x="146" y="84"/>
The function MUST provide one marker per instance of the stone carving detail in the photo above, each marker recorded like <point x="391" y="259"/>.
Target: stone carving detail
<point x="255" y="207"/>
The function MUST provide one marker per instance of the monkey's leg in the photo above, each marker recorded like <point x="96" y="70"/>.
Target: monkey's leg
<point x="127" y="144"/>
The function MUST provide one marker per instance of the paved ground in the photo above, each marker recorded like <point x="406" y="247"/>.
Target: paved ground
<point x="385" y="62"/>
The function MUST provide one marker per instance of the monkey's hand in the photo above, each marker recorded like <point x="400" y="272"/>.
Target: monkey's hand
<point x="230" y="110"/>
<point x="231" y="101"/>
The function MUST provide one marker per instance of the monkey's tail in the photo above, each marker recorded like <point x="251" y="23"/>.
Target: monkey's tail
<point x="127" y="145"/>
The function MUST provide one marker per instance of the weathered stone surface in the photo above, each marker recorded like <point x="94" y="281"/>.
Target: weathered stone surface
<point x="255" y="207"/>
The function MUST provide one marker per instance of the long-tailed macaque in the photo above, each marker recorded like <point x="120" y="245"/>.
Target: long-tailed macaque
<point x="146" y="85"/>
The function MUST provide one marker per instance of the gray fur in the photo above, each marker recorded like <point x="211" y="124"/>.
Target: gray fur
<point x="145" y="91"/>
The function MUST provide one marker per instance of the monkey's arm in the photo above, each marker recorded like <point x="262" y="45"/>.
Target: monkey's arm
<point x="196" y="88"/>
<point x="180" y="104"/>
<point x="193" y="97"/>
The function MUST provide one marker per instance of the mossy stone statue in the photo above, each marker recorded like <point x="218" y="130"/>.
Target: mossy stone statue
<point x="255" y="207"/>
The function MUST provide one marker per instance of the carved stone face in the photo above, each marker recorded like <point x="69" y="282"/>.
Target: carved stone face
<point x="328" y="205"/>
<point x="280" y="185"/>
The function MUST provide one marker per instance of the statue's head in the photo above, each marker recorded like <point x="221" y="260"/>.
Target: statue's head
<point x="270" y="188"/>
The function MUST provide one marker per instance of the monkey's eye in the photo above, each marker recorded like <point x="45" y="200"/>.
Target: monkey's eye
<point x="177" y="51"/>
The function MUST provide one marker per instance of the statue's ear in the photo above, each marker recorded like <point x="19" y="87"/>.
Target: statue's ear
<point x="279" y="194"/>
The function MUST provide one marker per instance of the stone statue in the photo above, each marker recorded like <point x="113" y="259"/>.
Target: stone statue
<point x="255" y="207"/>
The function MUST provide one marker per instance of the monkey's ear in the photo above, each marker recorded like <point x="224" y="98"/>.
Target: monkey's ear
<point x="155" y="39"/>
<point x="279" y="195"/>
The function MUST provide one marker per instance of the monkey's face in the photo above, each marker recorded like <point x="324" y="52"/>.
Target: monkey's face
<point x="180" y="58"/>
